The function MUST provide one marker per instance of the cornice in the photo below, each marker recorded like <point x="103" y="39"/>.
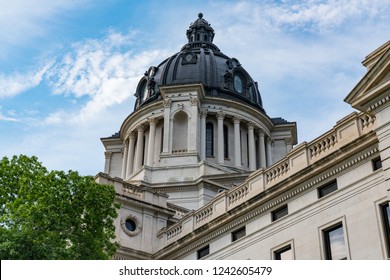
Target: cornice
<point x="253" y="208"/>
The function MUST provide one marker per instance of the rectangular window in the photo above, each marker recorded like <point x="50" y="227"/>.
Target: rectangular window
<point x="386" y="225"/>
<point x="203" y="252"/>
<point x="284" y="253"/>
<point x="376" y="163"/>
<point x="327" y="189"/>
<point x="279" y="213"/>
<point x="237" y="234"/>
<point x="334" y="242"/>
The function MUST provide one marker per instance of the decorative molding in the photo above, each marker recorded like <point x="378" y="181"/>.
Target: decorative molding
<point x="137" y="224"/>
<point x="108" y="154"/>
<point x="379" y="103"/>
<point x="167" y="103"/>
<point x="141" y="128"/>
<point x="236" y="120"/>
<point x="250" y="125"/>
<point x="267" y="206"/>
<point x="288" y="140"/>
<point x="131" y="135"/>
<point x="203" y="114"/>
<point x="194" y="101"/>
<point x="152" y="121"/>
<point x="220" y="115"/>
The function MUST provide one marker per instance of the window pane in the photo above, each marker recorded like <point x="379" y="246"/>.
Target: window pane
<point x="238" y="234"/>
<point x="203" y="252"/>
<point x="284" y="253"/>
<point x="335" y="243"/>
<point x="209" y="139"/>
<point x="327" y="189"/>
<point x="279" y="213"/>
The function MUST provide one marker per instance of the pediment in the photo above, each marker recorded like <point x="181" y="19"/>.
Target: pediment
<point x="373" y="90"/>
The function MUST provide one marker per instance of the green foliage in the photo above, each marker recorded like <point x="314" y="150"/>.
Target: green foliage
<point x="53" y="215"/>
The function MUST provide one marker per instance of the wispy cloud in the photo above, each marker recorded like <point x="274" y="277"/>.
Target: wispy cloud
<point x="16" y="83"/>
<point x="106" y="70"/>
<point x="320" y="15"/>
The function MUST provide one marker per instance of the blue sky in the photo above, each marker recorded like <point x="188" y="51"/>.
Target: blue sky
<point x="68" y="69"/>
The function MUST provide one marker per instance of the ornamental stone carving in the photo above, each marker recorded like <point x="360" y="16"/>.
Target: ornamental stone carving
<point x="152" y="121"/>
<point x="108" y="155"/>
<point x="220" y="115"/>
<point x="236" y="120"/>
<point x="194" y="101"/>
<point x="167" y="103"/>
<point x="141" y="128"/>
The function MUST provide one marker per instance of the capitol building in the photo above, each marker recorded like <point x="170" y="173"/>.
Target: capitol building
<point x="201" y="171"/>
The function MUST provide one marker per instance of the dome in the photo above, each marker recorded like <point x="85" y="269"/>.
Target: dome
<point x="200" y="62"/>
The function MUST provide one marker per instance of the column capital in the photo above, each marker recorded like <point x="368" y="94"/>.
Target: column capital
<point x="167" y="103"/>
<point x="270" y="140"/>
<point x="203" y="114"/>
<point x="131" y="135"/>
<point x="141" y="128"/>
<point x="288" y="140"/>
<point x="220" y="115"/>
<point x="152" y="121"/>
<point x="251" y="125"/>
<point x="107" y="154"/>
<point x="236" y="120"/>
<point x="261" y="132"/>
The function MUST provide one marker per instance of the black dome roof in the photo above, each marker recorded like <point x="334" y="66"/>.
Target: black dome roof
<point x="200" y="61"/>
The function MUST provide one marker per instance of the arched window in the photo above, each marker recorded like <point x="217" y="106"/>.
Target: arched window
<point x="226" y="141"/>
<point x="209" y="139"/>
<point x="180" y="132"/>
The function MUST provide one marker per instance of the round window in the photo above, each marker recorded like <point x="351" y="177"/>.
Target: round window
<point x="237" y="84"/>
<point x="130" y="225"/>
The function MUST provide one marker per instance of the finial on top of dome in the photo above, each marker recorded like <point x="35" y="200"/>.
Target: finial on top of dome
<point x="200" y="15"/>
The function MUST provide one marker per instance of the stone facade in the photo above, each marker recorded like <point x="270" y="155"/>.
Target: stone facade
<point x="202" y="172"/>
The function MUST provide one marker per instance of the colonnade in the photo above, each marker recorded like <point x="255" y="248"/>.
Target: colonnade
<point x="134" y="155"/>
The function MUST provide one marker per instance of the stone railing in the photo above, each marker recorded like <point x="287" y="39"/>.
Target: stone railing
<point x="323" y="145"/>
<point x="203" y="214"/>
<point x="344" y="132"/>
<point x="277" y="170"/>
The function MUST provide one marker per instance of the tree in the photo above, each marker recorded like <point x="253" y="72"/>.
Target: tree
<point x="53" y="215"/>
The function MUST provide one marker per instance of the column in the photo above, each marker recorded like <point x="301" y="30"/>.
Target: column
<point x="140" y="147"/>
<point x="203" y="116"/>
<point x="263" y="163"/>
<point x="252" y="151"/>
<point x="124" y="158"/>
<point x="237" y="142"/>
<point x="152" y="136"/>
<point x="220" y="154"/>
<point x="107" y="162"/>
<point x="289" y="142"/>
<point x="130" y="158"/>
<point x="167" y="119"/>
<point x="269" y="151"/>
<point x="193" y="125"/>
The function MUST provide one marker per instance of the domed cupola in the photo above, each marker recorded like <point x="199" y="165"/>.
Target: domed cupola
<point x="200" y="62"/>
<point x="200" y="34"/>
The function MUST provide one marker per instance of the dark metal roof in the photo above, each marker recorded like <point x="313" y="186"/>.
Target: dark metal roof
<point x="200" y="61"/>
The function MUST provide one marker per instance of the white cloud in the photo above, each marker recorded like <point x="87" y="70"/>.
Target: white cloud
<point x="106" y="70"/>
<point x="319" y="14"/>
<point x="16" y="83"/>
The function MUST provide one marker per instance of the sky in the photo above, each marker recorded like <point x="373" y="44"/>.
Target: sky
<point x="69" y="69"/>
